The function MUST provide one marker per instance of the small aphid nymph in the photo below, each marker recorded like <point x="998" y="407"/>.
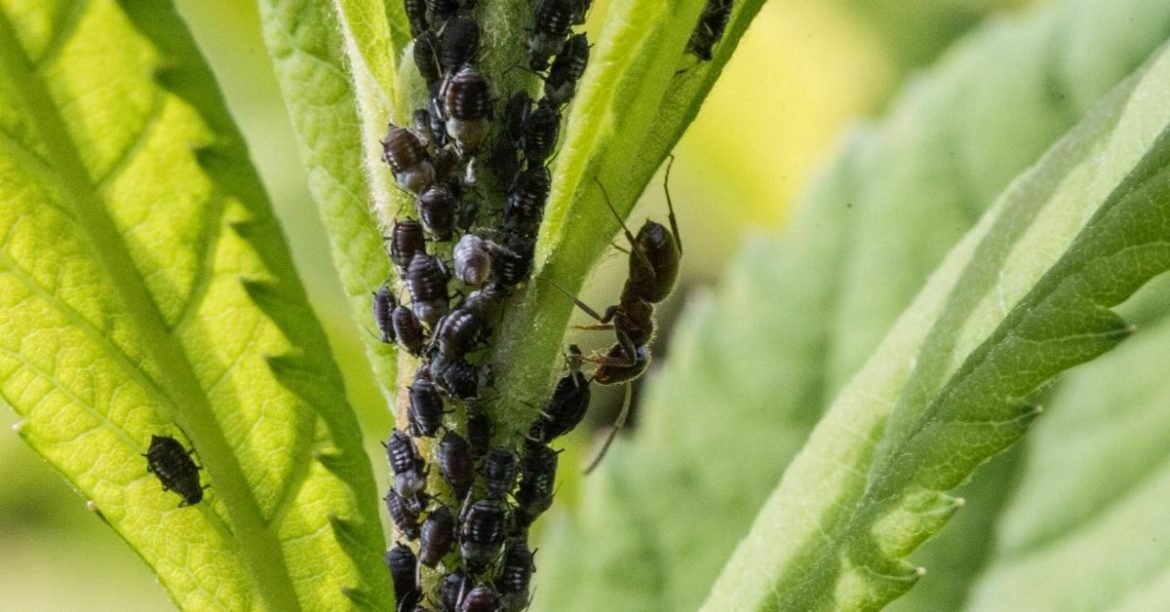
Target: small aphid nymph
<point x="176" y="470"/>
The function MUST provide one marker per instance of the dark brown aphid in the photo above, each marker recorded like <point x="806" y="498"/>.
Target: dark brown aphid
<point x="426" y="406"/>
<point x="176" y="470"/>
<point x="460" y="332"/>
<point x="453" y="585"/>
<point x="710" y="28"/>
<point x="505" y="160"/>
<point x="410" y="479"/>
<point x="459" y="41"/>
<point x="457" y="378"/>
<point x="515" y="115"/>
<point x="482" y="598"/>
<point x="473" y="260"/>
<point x="436" y="209"/>
<point x="408" y="329"/>
<point x="438" y="536"/>
<point x="569" y="402"/>
<point x="538" y="475"/>
<point x="549" y="28"/>
<point x="525" y="205"/>
<point x="467" y="100"/>
<point x="479" y="433"/>
<point x="456" y="463"/>
<point x="515" y="575"/>
<point x="407" y="157"/>
<point x="540" y="132"/>
<point x="512" y="265"/>
<point x="567" y="69"/>
<point x="405" y="518"/>
<point x="402" y="564"/>
<point x="426" y="279"/>
<point x="500" y="469"/>
<point x="384" y="305"/>
<point x="426" y="57"/>
<point x="406" y="240"/>
<point x="580" y="11"/>
<point x="483" y="528"/>
<point x="442" y="10"/>
<point x="416" y="14"/>
<point x="445" y="162"/>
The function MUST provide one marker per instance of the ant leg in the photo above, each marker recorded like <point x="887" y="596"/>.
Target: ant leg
<point x="629" y="234"/>
<point x="598" y="327"/>
<point x="613" y="431"/>
<point x="670" y="205"/>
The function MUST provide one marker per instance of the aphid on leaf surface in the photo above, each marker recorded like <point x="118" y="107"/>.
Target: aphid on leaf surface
<point x="460" y="332"/>
<point x="384" y="305"/>
<point x="500" y="468"/>
<point x="176" y="470"/>
<point x="410" y="333"/>
<point x="567" y="69"/>
<point x="426" y="406"/>
<point x="539" y="472"/>
<point x="483" y="526"/>
<point x="527" y="196"/>
<point x="438" y="536"/>
<point x="403" y="569"/>
<point x="580" y="10"/>
<point x="456" y="463"/>
<point x="406" y="240"/>
<point x="467" y="101"/>
<point x="453" y="585"/>
<point x="408" y="159"/>
<point x="482" y="598"/>
<point x="426" y="279"/>
<point x="569" y="402"/>
<point x="473" y="260"/>
<point x="540" y="132"/>
<point x="459" y="41"/>
<point x="549" y="28"/>
<point x="456" y="377"/>
<point x="710" y="28"/>
<point x="515" y="575"/>
<point x="426" y="58"/>
<point x="515" y="115"/>
<point x="405" y="518"/>
<point x="436" y="208"/>
<point x="416" y="14"/>
<point x="410" y="479"/>
<point x="512" y="265"/>
<point x="442" y="10"/>
<point x="479" y="432"/>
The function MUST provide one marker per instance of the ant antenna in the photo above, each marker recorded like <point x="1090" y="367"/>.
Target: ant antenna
<point x="670" y="204"/>
<point x="582" y="305"/>
<point x="622" y="222"/>
<point x="617" y="426"/>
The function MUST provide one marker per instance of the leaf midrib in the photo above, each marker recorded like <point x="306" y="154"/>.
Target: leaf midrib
<point x="257" y="544"/>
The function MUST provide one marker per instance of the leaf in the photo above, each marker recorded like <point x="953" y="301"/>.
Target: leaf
<point x="758" y="383"/>
<point x="147" y="290"/>
<point x="306" y="45"/>
<point x="1025" y="295"/>
<point x="637" y="96"/>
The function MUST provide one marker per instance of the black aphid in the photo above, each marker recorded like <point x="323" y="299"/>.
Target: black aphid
<point x="481" y="534"/>
<point x="176" y="470"/>
<point x="405" y="518"/>
<point x="515" y="575"/>
<point x="426" y="406"/>
<point x="467" y="102"/>
<point x="453" y="585"/>
<point x="436" y="209"/>
<point x="512" y="264"/>
<point x="426" y="279"/>
<point x="567" y="69"/>
<point x="406" y="240"/>
<point x="460" y="332"/>
<point x="407" y="157"/>
<point x="410" y="479"/>
<point x="538" y="476"/>
<point x="456" y="463"/>
<point x="438" y="536"/>
<point x="505" y="159"/>
<point x="549" y="28"/>
<point x="416" y="14"/>
<point x="479" y="432"/>
<point x="526" y="199"/>
<point x="403" y="563"/>
<point x="408" y="329"/>
<point x="457" y="378"/>
<point x="384" y="304"/>
<point x="482" y="598"/>
<point x="458" y="42"/>
<point x="515" y="115"/>
<point x="580" y="11"/>
<point x="500" y="468"/>
<point x="569" y="402"/>
<point x="540" y="132"/>
<point x="710" y="28"/>
<point x="426" y="57"/>
<point x="442" y="10"/>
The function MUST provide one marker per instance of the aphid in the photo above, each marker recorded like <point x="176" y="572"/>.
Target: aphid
<point x="426" y="279"/>
<point x="461" y="331"/>
<point x="410" y="333"/>
<point x="405" y="518"/>
<point x="453" y="585"/>
<point x="426" y="406"/>
<point x="456" y="463"/>
<point x="407" y="157"/>
<point x="710" y="28"/>
<point x="580" y="10"/>
<point x="500" y="468"/>
<point x="426" y="57"/>
<point x="526" y="199"/>
<point x="479" y="433"/>
<point x="458" y="42"/>
<point x="403" y="563"/>
<point x="384" y="305"/>
<point x="540" y="132"/>
<point x="416" y="14"/>
<point x="515" y="575"/>
<point x="505" y="160"/>
<point x="513" y="263"/>
<point x="539" y="472"/>
<point x="438" y="536"/>
<point x="409" y="477"/>
<point x="442" y="10"/>
<point x="515" y="115"/>
<point x="467" y="100"/>
<point x="436" y="209"/>
<point x="445" y="162"/>
<point x="569" y="402"/>
<point x="406" y="240"/>
<point x="176" y="470"/>
<point x="473" y="260"/>
<point x="482" y="598"/>
<point x="551" y="25"/>
<point x="482" y="530"/>
<point x="567" y="69"/>
<point x="456" y="378"/>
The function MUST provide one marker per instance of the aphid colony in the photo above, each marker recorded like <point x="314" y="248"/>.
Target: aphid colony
<point x="464" y="535"/>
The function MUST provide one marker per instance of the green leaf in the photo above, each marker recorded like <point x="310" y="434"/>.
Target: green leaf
<point x="1025" y="295"/>
<point x="306" y="44"/>
<point x="894" y="201"/>
<point x="147" y="290"/>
